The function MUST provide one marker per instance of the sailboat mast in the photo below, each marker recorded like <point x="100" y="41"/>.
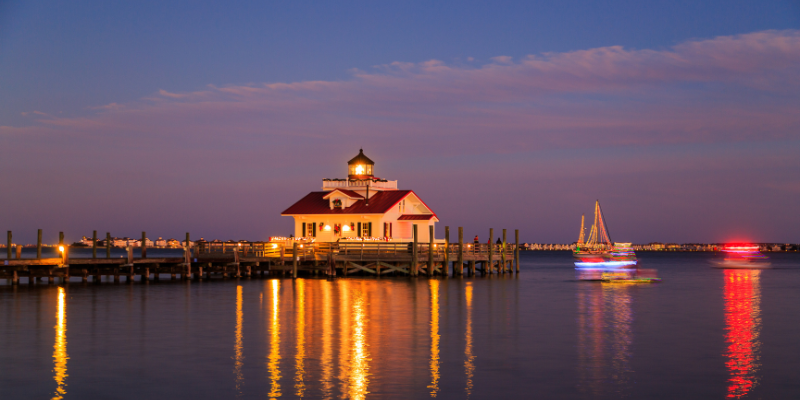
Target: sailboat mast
<point x="606" y="234"/>
<point x="580" y="236"/>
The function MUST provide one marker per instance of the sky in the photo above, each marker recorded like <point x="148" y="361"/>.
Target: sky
<point x="681" y="117"/>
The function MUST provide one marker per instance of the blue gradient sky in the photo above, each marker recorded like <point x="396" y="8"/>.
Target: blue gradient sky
<point x="681" y="117"/>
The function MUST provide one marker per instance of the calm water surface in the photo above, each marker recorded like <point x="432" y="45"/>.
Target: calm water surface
<point x="702" y="333"/>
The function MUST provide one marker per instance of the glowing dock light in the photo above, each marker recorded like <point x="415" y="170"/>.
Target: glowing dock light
<point x="327" y="227"/>
<point x="61" y="248"/>
<point x="274" y="245"/>
<point x="345" y="228"/>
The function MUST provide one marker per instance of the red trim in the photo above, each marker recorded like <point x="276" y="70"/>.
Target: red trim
<point x="416" y="217"/>
<point x="349" y="193"/>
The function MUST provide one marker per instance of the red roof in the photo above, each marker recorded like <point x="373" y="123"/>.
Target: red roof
<point x="415" y="217"/>
<point x="379" y="203"/>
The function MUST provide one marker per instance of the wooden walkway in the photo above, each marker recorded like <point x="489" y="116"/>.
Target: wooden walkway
<point x="207" y="260"/>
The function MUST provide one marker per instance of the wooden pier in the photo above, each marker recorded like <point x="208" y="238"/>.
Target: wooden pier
<point x="206" y="260"/>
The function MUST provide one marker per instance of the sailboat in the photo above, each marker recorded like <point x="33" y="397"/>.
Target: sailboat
<point x="598" y="251"/>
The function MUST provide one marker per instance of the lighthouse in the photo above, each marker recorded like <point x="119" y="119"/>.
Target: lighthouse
<point x="361" y="207"/>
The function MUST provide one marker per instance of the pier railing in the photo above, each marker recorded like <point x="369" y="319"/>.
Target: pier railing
<point x="279" y="249"/>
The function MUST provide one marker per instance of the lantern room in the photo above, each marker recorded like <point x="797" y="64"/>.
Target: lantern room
<point x="360" y="167"/>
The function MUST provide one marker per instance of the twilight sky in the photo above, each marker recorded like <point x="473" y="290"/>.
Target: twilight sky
<point x="682" y="117"/>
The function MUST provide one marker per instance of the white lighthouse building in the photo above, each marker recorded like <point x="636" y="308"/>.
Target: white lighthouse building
<point x="362" y="206"/>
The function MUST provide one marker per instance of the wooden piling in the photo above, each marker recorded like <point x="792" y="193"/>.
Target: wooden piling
<point x="8" y="246"/>
<point x="430" y="250"/>
<point x="446" y="263"/>
<point x="19" y="251"/>
<point x="108" y="244"/>
<point x="294" y="260"/>
<point x="472" y="268"/>
<point x="516" y="250"/>
<point x="144" y="244"/>
<point x="491" y="248"/>
<point x="145" y="274"/>
<point x="60" y="238"/>
<point x="14" y="278"/>
<point x="94" y="244"/>
<point x="503" y="256"/>
<point x="461" y="250"/>
<point x="413" y="270"/>
<point x="39" y="244"/>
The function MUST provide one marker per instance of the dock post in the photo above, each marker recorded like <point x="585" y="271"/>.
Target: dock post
<point x="430" y="250"/>
<point x="294" y="260"/>
<point x="503" y="255"/>
<point x="60" y="238"/>
<point x="94" y="244"/>
<point x="144" y="244"/>
<point x="446" y="263"/>
<point x="460" y="251"/>
<point x="187" y="273"/>
<point x="491" y="248"/>
<point x="19" y="251"/>
<point x="116" y="275"/>
<point x="39" y="244"/>
<point x="14" y="278"/>
<point x="8" y="246"/>
<point x="516" y="250"/>
<point x="145" y="274"/>
<point x="413" y="269"/>
<point x="65" y="277"/>
<point x="472" y="268"/>
<point x="108" y="244"/>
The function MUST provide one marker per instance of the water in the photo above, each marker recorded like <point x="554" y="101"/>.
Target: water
<point x="701" y="333"/>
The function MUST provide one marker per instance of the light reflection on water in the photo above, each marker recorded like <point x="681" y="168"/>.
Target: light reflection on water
<point x="274" y="357"/>
<point x="743" y="328"/>
<point x="434" y="295"/>
<point x="469" y="358"/>
<point x="238" y="349"/>
<point x="60" y="356"/>
<point x="300" y="338"/>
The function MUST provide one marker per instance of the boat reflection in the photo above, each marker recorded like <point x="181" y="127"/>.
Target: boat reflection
<point x="60" y="356"/>
<point x="605" y="339"/>
<point x="742" y="294"/>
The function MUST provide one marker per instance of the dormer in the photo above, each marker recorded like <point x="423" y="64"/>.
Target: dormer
<point x="339" y="199"/>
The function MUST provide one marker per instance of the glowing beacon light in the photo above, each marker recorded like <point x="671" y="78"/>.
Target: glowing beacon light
<point x="346" y="228"/>
<point x="360" y="167"/>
